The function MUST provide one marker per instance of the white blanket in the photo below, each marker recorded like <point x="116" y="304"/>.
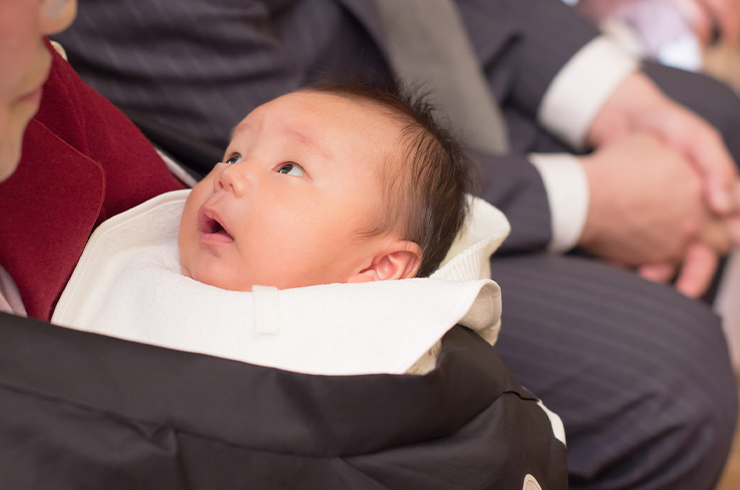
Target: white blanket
<point x="128" y="285"/>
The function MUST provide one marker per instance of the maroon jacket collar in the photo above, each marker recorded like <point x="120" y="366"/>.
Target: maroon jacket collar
<point x="83" y="161"/>
<point x="50" y="205"/>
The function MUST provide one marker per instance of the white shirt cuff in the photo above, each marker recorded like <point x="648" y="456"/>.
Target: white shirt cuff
<point x="567" y="190"/>
<point x="581" y="88"/>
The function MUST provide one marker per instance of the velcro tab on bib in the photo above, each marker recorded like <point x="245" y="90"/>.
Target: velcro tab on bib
<point x="266" y="310"/>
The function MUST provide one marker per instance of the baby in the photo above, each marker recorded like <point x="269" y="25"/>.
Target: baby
<point x="321" y="187"/>
<point x="336" y="184"/>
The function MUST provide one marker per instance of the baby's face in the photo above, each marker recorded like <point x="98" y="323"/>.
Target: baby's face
<point x="286" y="209"/>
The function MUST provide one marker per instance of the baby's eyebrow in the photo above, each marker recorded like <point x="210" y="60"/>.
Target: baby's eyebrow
<point x="239" y="127"/>
<point x="309" y="140"/>
<point x="303" y="135"/>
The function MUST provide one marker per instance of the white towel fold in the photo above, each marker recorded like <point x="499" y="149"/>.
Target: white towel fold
<point x="128" y="285"/>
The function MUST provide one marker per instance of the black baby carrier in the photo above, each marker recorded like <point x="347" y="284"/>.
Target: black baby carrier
<point x="85" y="411"/>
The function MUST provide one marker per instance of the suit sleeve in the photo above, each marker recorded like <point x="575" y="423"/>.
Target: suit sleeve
<point x="182" y="72"/>
<point x="523" y="44"/>
<point x="514" y="186"/>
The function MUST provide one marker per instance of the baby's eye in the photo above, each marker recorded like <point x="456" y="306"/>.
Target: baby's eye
<point x="291" y="169"/>
<point x="235" y="158"/>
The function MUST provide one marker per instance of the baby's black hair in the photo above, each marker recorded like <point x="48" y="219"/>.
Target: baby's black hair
<point x="425" y="195"/>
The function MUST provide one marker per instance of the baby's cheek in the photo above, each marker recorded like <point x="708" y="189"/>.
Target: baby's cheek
<point x="186" y="238"/>
<point x="184" y="257"/>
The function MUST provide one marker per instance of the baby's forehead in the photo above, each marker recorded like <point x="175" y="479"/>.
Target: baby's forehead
<point x="332" y="115"/>
<point x="352" y="112"/>
<point x="360" y="113"/>
<point x="363" y="106"/>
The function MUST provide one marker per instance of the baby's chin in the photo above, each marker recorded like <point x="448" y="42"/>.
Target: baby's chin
<point x="215" y="280"/>
<point x="211" y="277"/>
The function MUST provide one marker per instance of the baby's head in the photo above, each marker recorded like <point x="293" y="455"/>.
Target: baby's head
<point x="340" y="183"/>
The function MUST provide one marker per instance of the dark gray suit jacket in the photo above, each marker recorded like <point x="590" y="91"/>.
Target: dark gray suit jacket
<point x="202" y="66"/>
<point x="179" y="68"/>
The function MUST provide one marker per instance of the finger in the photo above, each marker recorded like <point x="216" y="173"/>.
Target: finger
<point x="703" y="147"/>
<point x="699" y="17"/>
<point x="717" y="234"/>
<point x="735" y="194"/>
<point x="697" y="270"/>
<point x="733" y="225"/>
<point x="661" y="273"/>
<point x="709" y="154"/>
<point x="727" y="15"/>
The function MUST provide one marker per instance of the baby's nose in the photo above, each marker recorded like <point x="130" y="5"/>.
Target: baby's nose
<point x="234" y="178"/>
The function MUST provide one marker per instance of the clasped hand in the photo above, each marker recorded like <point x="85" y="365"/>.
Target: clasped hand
<point x="665" y="192"/>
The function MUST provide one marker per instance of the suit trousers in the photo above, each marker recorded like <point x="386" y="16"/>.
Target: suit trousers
<point x="639" y="373"/>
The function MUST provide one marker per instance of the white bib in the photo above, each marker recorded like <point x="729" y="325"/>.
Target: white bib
<point x="128" y="284"/>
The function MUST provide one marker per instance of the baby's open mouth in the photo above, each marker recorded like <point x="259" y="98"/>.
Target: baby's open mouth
<point x="211" y="225"/>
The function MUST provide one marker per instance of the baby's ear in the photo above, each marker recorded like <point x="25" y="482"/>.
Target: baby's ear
<point x="400" y="261"/>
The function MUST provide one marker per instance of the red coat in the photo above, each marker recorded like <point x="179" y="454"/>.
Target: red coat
<point x="83" y="162"/>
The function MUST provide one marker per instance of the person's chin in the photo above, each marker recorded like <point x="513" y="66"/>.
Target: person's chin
<point x="10" y="157"/>
<point x="11" y="142"/>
